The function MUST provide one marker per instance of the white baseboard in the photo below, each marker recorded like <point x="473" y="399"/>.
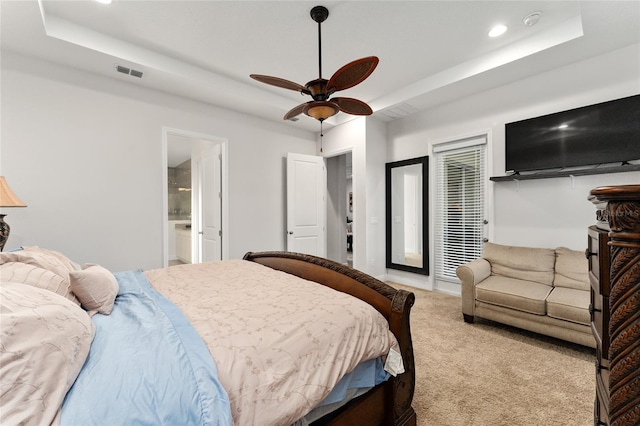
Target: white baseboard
<point x="408" y="280"/>
<point x="448" y="287"/>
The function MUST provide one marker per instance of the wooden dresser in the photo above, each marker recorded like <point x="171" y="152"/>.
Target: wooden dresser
<point x="614" y="271"/>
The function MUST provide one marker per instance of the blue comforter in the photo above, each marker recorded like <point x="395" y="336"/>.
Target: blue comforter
<point x="147" y="366"/>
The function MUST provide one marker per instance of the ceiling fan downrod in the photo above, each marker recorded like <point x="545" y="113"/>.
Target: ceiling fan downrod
<point x="319" y="14"/>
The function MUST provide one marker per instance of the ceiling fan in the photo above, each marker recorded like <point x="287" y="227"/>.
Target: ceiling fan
<point x="323" y="106"/>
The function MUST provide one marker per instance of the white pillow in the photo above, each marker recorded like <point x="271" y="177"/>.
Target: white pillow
<point x="95" y="287"/>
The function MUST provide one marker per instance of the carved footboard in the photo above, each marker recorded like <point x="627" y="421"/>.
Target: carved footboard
<point x="390" y="402"/>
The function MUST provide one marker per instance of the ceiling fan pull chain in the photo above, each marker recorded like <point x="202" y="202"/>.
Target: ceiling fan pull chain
<point x="321" y="135"/>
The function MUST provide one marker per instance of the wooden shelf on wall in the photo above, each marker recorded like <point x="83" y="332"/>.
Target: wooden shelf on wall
<point x="566" y="173"/>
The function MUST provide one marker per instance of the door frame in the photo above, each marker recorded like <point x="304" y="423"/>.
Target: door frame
<point x="336" y="153"/>
<point x="441" y="285"/>
<point x="194" y="136"/>
<point x="342" y="223"/>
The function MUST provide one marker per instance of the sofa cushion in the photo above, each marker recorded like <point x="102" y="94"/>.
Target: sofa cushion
<point x="572" y="269"/>
<point x="569" y="304"/>
<point x="523" y="263"/>
<point x="526" y="296"/>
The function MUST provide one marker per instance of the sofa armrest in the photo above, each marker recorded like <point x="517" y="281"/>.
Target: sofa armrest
<point x="470" y="275"/>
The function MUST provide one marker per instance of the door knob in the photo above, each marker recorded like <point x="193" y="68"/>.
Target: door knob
<point x="290" y="232"/>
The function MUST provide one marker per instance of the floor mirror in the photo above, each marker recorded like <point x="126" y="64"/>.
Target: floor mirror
<point x="406" y="215"/>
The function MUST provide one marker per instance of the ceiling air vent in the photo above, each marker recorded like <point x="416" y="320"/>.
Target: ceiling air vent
<point x="129" y="71"/>
<point x="396" y="111"/>
<point x="123" y="70"/>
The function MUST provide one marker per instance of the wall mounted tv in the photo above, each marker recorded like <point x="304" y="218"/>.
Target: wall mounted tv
<point x="603" y="133"/>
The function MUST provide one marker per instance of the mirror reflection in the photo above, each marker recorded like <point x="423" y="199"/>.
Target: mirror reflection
<point x="406" y="213"/>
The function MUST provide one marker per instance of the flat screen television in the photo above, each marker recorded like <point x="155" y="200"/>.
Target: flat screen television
<point x="608" y="132"/>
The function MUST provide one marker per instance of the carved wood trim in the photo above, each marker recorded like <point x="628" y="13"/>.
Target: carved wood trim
<point x="623" y="214"/>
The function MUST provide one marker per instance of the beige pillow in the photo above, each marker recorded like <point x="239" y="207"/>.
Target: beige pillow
<point x="35" y="276"/>
<point x="572" y="269"/>
<point x="50" y="260"/>
<point x="64" y="260"/>
<point x="95" y="287"/>
<point x="45" y="341"/>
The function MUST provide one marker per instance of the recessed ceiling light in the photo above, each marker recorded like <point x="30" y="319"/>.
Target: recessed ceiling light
<point x="104" y="1"/>
<point x="498" y="30"/>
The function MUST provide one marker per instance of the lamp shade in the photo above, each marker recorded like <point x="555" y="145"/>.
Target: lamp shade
<point x="7" y="197"/>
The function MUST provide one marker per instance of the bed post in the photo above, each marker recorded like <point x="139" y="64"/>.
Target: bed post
<point x="403" y="384"/>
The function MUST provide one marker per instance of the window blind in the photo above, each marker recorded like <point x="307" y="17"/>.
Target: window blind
<point x="460" y="205"/>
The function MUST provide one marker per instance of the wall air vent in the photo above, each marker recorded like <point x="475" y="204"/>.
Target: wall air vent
<point x="129" y="71"/>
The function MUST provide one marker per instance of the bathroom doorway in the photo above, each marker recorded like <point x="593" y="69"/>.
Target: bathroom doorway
<point x="194" y="197"/>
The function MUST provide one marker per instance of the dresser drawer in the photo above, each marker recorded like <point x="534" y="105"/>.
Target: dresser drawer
<point x="598" y="254"/>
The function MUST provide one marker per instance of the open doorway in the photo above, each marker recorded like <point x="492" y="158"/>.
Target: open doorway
<point x="340" y="235"/>
<point x="179" y="190"/>
<point x="194" y="197"/>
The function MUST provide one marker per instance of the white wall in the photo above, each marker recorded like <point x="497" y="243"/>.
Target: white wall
<point x="540" y="213"/>
<point x="376" y="153"/>
<point x="366" y="139"/>
<point x="85" y="153"/>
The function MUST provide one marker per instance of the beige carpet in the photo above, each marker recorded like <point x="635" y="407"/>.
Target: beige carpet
<point x="488" y="374"/>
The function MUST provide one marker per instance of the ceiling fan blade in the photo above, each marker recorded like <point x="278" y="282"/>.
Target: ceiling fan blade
<point x="353" y="106"/>
<point x="353" y="73"/>
<point x="295" y="111"/>
<point x="279" y="82"/>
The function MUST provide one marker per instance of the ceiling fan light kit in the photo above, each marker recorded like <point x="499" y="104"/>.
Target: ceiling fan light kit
<point x="320" y="89"/>
<point x="321" y="110"/>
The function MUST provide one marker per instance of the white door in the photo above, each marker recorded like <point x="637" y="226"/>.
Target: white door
<point x="306" y="204"/>
<point x="210" y="223"/>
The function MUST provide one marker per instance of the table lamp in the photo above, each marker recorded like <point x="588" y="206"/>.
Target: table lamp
<point x="7" y="199"/>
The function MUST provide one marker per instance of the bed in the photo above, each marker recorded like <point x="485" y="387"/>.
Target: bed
<point x="242" y="342"/>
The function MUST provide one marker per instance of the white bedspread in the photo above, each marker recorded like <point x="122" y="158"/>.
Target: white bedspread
<point x="280" y="342"/>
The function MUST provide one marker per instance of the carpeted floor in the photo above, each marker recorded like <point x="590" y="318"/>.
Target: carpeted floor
<point x="488" y="374"/>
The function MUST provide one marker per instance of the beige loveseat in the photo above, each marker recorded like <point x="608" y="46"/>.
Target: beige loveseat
<point x="542" y="290"/>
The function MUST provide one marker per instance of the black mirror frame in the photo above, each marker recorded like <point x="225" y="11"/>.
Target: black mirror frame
<point x="424" y="270"/>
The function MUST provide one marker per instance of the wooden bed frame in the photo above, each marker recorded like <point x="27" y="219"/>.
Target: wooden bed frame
<point x="390" y="402"/>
